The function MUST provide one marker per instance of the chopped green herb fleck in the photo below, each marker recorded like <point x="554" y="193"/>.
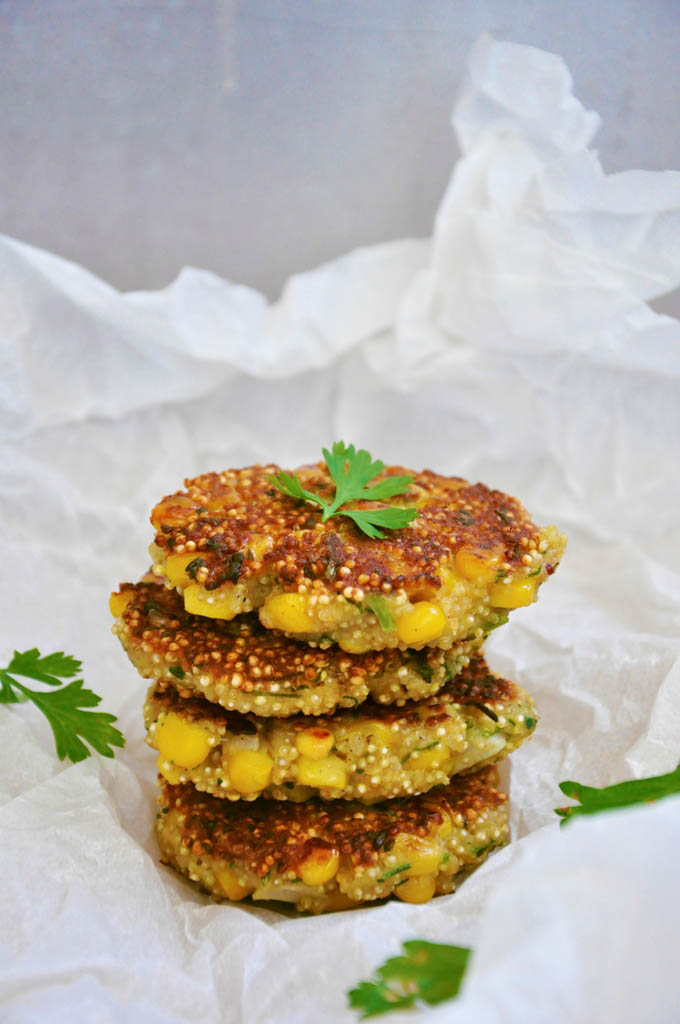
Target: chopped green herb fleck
<point x="394" y="871"/>
<point x="382" y="611"/>
<point x="494" y="623"/>
<point x="192" y="568"/>
<point x="421" y="665"/>
<point x="177" y="671"/>
<point x="417" y="750"/>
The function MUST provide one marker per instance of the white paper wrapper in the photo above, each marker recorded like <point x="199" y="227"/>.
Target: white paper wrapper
<point x="515" y="347"/>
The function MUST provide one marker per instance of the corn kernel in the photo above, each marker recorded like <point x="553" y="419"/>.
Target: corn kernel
<point x="233" y="889"/>
<point x="260" y="544"/>
<point x="330" y="773"/>
<point x="422" y="855"/>
<point x="512" y="595"/>
<point x="477" y="566"/>
<point x="320" y="866"/>
<point x="226" y="602"/>
<point x="315" y="743"/>
<point x="183" y="742"/>
<point x="173" y="511"/>
<point x="426" y="621"/>
<point x="446" y="827"/>
<point x="416" y="890"/>
<point x="249" y="770"/>
<point x="338" y="901"/>
<point x="119" y="602"/>
<point x="289" y="613"/>
<point x="424" y="759"/>
<point x="170" y="772"/>
<point x="175" y="569"/>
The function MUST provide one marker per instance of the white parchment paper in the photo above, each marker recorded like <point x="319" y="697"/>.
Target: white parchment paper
<point x="514" y="347"/>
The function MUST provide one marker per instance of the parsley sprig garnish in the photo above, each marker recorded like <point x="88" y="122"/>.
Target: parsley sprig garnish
<point x="64" y="707"/>
<point x="433" y="972"/>
<point x="621" y="794"/>
<point x="351" y="471"/>
<point x="429" y="971"/>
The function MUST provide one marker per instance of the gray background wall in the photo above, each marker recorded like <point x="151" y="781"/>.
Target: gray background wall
<point x="260" y="138"/>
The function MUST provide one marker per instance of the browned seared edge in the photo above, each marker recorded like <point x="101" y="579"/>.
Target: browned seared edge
<point x="269" y="834"/>
<point x="217" y="515"/>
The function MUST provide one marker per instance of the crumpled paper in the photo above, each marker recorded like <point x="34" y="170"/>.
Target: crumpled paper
<point x="515" y="347"/>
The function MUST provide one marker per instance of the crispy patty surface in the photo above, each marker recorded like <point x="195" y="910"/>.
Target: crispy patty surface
<point x="245" y="667"/>
<point x="231" y="543"/>
<point x="331" y="856"/>
<point x="371" y="753"/>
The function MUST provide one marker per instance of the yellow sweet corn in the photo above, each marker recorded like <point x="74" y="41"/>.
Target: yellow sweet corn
<point x="320" y="866"/>
<point x="119" y="602"/>
<point x="422" y="855"/>
<point x="329" y="773"/>
<point x="477" y="566"/>
<point x="426" y="621"/>
<point x="423" y="759"/>
<point x="416" y="890"/>
<point x="289" y="612"/>
<point x="175" y="569"/>
<point x="224" y="603"/>
<point x="515" y="594"/>
<point x="233" y="889"/>
<point x="170" y="772"/>
<point x="182" y="742"/>
<point x="315" y="743"/>
<point x="249" y="770"/>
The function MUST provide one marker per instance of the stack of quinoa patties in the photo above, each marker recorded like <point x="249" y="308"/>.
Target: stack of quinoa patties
<point x="326" y="725"/>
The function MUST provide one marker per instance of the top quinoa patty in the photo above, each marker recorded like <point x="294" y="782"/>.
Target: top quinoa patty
<point x="230" y="543"/>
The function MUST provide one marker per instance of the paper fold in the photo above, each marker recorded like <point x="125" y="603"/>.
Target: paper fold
<point x="514" y="347"/>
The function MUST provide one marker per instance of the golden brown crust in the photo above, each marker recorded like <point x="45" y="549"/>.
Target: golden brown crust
<point x="223" y="516"/>
<point x="269" y="834"/>
<point x="247" y="667"/>
<point x="474" y="685"/>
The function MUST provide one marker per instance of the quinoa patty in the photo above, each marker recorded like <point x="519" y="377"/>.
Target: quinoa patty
<point x="371" y="753"/>
<point x="323" y="856"/>
<point x="231" y="543"/>
<point x="244" y="667"/>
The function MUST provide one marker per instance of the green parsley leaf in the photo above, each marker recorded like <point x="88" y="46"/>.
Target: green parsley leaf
<point x="622" y="794"/>
<point x="381" y="609"/>
<point x="429" y="971"/>
<point x="351" y="471"/>
<point x="62" y="707"/>
<point x="45" y="670"/>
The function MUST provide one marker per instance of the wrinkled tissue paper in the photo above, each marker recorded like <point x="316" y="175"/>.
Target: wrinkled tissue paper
<point x="516" y="347"/>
